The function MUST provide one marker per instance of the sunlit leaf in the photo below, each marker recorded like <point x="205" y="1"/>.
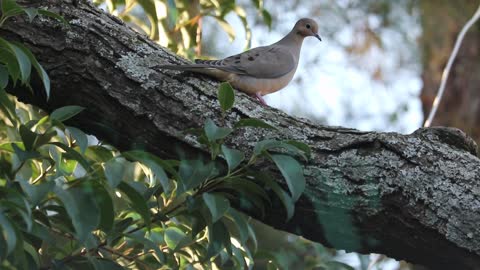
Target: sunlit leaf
<point x="241" y="224"/>
<point x="8" y="107"/>
<point x="136" y="201"/>
<point x="72" y="154"/>
<point x="153" y="163"/>
<point x="218" y="238"/>
<point x="80" y="138"/>
<point x="174" y="237"/>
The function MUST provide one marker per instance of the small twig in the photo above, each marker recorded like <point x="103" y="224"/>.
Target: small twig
<point x="42" y="175"/>
<point x="446" y="71"/>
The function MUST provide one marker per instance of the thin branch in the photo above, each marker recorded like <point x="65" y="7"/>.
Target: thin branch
<point x="446" y="71"/>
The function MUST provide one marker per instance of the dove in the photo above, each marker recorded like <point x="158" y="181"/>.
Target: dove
<point x="262" y="70"/>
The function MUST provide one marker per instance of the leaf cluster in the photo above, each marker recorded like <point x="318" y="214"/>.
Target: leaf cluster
<point x="177" y="24"/>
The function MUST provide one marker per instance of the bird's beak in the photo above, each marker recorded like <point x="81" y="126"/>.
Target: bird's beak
<point x="317" y="36"/>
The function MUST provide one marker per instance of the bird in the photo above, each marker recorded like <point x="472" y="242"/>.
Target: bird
<point x="261" y="70"/>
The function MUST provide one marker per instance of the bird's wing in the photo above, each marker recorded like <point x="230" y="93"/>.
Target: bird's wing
<point x="263" y="62"/>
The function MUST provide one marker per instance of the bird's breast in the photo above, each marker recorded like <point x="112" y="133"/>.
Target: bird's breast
<point x="263" y="86"/>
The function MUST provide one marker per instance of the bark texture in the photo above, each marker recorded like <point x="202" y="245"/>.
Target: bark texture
<point x="414" y="197"/>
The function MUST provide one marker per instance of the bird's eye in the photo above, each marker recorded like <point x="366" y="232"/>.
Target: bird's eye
<point x="308" y="26"/>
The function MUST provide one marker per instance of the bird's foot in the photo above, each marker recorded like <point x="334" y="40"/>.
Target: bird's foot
<point x="260" y="99"/>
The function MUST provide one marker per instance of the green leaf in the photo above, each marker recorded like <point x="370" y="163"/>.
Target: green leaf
<point x="301" y="146"/>
<point x="214" y="133"/>
<point x="72" y="154"/>
<point x="104" y="264"/>
<point x="105" y="205"/>
<point x="8" y="107"/>
<point x="114" y="172"/>
<point x="10" y="8"/>
<point x="31" y="13"/>
<point x="241" y="224"/>
<point x="32" y="252"/>
<point x="81" y="138"/>
<point x="24" y="155"/>
<point x="174" y="237"/>
<point x="40" y="71"/>
<point x="217" y="205"/>
<point x="3" y="76"/>
<point x="267" y="18"/>
<point x="99" y="153"/>
<point x="65" y="113"/>
<point x="9" y="233"/>
<point x="253" y="122"/>
<point x="147" y="244"/>
<point x="266" y="145"/>
<point x="28" y="137"/>
<point x="23" y="62"/>
<point x="53" y="15"/>
<point x="172" y="14"/>
<point x="292" y="172"/>
<point x="137" y="201"/>
<point x="192" y="173"/>
<point x="233" y="157"/>
<point x="226" y="96"/>
<point x="281" y="194"/>
<point x="218" y="238"/>
<point x="155" y="164"/>
<point x="81" y="208"/>
<point x="17" y="61"/>
<point x="198" y="222"/>
<point x="36" y="193"/>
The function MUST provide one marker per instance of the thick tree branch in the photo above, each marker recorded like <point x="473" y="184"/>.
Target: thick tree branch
<point x="414" y="197"/>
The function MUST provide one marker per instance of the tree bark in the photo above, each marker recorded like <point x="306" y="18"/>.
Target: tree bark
<point x="414" y="197"/>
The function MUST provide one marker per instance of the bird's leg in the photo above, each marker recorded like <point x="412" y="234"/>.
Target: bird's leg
<point x="260" y="98"/>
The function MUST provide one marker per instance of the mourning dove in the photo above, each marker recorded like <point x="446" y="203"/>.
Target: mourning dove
<point x="262" y="70"/>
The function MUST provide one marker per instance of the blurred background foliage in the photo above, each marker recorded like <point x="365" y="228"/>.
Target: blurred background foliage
<point x="177" y="24"/>
<point x="392" y="52"/>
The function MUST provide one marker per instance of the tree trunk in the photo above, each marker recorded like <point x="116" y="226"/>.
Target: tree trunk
<point x="414" y="197"/>
<point x="441" y="23"/>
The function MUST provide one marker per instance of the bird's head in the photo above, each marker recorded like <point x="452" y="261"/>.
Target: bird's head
<point x="307" y="28"/>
